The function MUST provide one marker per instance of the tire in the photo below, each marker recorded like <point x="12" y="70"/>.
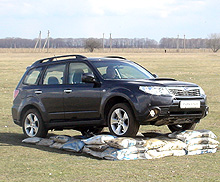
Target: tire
<point x="182" y="127"/>
<point x="121" y="121"/>
<point x="33" y="125"/>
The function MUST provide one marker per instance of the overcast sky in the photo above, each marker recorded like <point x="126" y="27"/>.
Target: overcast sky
<point x="152" y="19"/>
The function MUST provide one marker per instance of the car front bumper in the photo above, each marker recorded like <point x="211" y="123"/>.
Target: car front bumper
<point x="166" y="114"/>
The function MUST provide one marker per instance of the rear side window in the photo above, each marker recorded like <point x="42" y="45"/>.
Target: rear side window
<point x="54" y="75"/>
<point x="32" y="76"/>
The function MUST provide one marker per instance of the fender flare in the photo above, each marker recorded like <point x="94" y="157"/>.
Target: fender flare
<point x="123" y="93"/>
<point x="32" y="102"/>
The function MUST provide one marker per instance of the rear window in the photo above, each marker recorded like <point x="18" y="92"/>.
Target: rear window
<point x="32" y="76"/>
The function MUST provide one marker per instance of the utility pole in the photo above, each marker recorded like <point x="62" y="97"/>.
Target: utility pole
<point x="38" y="41"/>
<point x="47" y="41"/>
<point x="103" y="43"/>
<point x="110" y="42"/>
<point x="184" y="43"/>
<point x="36" y="44"/>
<point x="177" y="44"/>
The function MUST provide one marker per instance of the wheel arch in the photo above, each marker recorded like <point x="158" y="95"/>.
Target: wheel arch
<point x="25" y="109"/>
<point x="39" y="129"/>
<point x="111" y="102"/>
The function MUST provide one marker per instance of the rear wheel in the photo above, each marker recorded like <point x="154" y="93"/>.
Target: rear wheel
<point x="121" y="121"/>
<point x="182" y="127"/>
<point x="33" y="125"/>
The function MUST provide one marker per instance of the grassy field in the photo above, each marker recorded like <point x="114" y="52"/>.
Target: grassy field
<point x="23" y="162"/>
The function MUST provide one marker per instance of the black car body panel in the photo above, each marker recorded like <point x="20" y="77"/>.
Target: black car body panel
<point x="69" y="105"/>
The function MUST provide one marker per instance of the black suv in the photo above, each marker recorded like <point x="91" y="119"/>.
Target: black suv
<point x="87" y="94"/>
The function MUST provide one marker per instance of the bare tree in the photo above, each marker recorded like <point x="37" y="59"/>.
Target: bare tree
<point x="92" y="44"/>
<point x="214" y="42"/>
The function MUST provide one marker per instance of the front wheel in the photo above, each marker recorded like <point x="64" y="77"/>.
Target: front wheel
<point x="121" y="121"/>
<point x="182" y="127"/>
<point x="33" y="125"/>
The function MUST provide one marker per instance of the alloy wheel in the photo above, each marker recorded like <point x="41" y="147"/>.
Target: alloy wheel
<point x="119" y="121"/>
<point x="31" y="124"/>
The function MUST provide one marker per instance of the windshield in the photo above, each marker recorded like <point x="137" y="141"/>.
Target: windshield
<point x="121" y="70"/>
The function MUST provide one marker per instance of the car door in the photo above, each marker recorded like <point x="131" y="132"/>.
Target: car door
<point x="81" y="100"/>
<point x="50" y="91"/>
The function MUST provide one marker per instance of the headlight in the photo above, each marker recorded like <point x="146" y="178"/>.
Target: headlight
<point x="154" y="90"/>
<point x="202" y="92"/>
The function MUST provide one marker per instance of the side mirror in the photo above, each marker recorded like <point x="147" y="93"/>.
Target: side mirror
<point x="88" y="78"/>
<point x="155" y="75"/>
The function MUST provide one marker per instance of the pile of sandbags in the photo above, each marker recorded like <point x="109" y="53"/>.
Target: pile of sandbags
<point x="164" y="146"/>
<point x="197" y="142"/>
<point x="110" y="147"/>
<point x="115" y="148"/>
<point x="126" y="148"/>
<point x="73" y="144"/>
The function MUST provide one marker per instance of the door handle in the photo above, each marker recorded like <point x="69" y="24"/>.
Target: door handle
<point x="38" y="92"/>
<point x="68" y="91"/>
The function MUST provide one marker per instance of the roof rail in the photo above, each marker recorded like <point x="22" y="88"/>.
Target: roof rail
<point x="119" y="57"/>
<point x="50" y="59"/>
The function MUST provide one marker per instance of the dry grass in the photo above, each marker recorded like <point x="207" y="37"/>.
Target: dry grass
<point x="22" y="162"/>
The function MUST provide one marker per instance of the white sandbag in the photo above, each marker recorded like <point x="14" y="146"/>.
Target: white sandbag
<point x="75" y="145"/>
<point x="155" y="154"/>
<point x="195" y="141"/>
<point x="57" y="145"/>
<point x="153" y="143"/>
<point x="189" y="134"/>
<point x="124" y="142"/>
<point x="200" y="147"/>
<point x="115" y="154"/>
<point x="204" y="151"/>
<point x="60" y="138"/>
<point x="130" y="157"/>
<point x="98" y="148"/>
<point x="98" y="139"/>
<point x="91" y="152"/>
<point x="32" y="140"/>
<point x="179" y="152"/>
<point x="130" y="153"/>
<point x="173" y="144"/>
<point x="130" y="150"/>
<point x="45" y="142"/>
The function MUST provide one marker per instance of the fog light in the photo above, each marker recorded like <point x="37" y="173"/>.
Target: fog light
<point x="207" y="112"/>
<point x="152" y="113"/>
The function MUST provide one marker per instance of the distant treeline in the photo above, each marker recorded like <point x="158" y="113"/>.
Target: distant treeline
<point x="116" y="43"/>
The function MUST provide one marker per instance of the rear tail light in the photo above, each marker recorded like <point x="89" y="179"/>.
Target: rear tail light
<point x="16" y="92"/>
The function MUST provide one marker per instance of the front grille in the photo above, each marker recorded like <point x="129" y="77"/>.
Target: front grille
<point x="184" y="91"/>
<point x="185" y="113"/>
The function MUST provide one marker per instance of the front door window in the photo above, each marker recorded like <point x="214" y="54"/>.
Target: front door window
<point x="76" y="70"/>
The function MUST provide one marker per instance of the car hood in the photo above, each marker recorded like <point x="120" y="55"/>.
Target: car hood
<point x="165" y="82"/>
